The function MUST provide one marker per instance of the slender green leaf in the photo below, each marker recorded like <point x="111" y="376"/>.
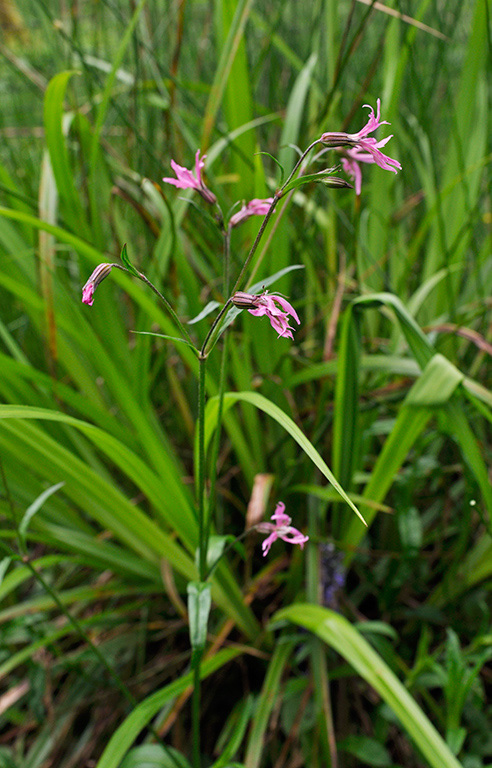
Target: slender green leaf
<point x="125" y="735"/>
<point x="338" y="633"/>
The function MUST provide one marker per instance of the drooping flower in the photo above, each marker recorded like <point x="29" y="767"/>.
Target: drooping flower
<point x="100" y="272"/>
<point x="186" y="179"/>
<point x="361" y="148"/>
<point x="255" y="207"/>
<point x="281" y="528"/>
<point x="266" y="304"/>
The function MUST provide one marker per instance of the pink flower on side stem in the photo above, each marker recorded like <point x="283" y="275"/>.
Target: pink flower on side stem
<point x="255" y="207"/>
<point x="100" y="272"/>
<point x="363" y="148"/>
<point x="266" y="304"/>
<point x="185" y="179"/>
<point x="280" y="529"/>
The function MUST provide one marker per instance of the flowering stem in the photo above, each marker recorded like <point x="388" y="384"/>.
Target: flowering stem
<point x="227" y="259"/>
<point x="195" y="705"/>
<point x="146" y="280"/>
<point x="256" y="243"/>
<point x="276" y="198"/>
<point x="318" y="656"/>
<point x="299" y="162"/>
<point x="222" y="381"/>
<point x="216" y="443"/>
<point x="196" y="656"/>
<point x="201" y="468"/>
<point x="203" y="351"/>
<point x="167" y="305"/>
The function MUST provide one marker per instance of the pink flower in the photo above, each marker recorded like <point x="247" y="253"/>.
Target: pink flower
<point x="280" y="529"/>
<point x="185" y="179"/>
<point x="255" y="207"/>
<point x="100" y="272"/>
<point x="352" y="169"/>
<point x="363" y="148"/>
<point x="279" y="317"/>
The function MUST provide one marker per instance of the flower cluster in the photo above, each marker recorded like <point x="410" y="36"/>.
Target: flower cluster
<point x="361" y="148"/>
<point x="356" y="148"/>
<point x="281" y="528"/>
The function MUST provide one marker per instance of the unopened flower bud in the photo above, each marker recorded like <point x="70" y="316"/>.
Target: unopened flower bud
<point x="207" y="195"/>
<point x="336" y="181"/>
<point x="100" y="272"/>
<point x="338" y="139"/>
<point x="246" y="300"/>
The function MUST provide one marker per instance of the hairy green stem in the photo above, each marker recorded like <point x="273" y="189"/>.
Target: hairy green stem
<point x="278" y="194"/>
<point x="216" y="442"/>
<point x="201" y="468"/>
<point x="151" y="285"/>
<point x="203" y="351"/>
<point x="195" y="706"/>
<point x="202" y="554"/>
<point x="167" y="305"/>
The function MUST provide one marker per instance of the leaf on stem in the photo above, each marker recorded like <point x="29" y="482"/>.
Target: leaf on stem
<point x="207" y="309"/>
<point x="126" y="261"/>
<point x="322" y="177"/>
<point x="199" y="604"/>
<point x="169" y="338"/>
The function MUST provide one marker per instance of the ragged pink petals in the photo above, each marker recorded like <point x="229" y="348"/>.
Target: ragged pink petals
<point x="255" y="207"/>
<point x="278" y="315"/>
<point x="352" y="169"/>
<point x="361" y="148"/>
<point x="185" y="179"/>
<point x="281" y="528"/>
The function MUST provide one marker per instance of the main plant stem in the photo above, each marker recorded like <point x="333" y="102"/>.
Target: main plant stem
<point x="196" y="659"/>
<point x="196" y="655"/>
<point x="202" y="552"/>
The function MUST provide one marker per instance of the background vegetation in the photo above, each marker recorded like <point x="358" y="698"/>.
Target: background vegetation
<point x="386" y="377"/>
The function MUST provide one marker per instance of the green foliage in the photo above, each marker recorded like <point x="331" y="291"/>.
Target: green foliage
<point x="380" y="405"/>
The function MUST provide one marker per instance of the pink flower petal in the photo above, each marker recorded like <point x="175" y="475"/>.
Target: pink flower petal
<point x="365" y="149"/>
<point x="278" y="315"/>
<point x="287" y="307"/>
<point x="282" y="529"/>
<point x="268" y="543"/>
<point x="88" y="294"/>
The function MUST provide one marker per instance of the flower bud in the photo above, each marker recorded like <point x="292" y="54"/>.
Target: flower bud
<point x="338" y="140"/>
<point x="336" y="182"/>
<point x="245" y="300"/>
<point x="100" y="272"/>
<point x="207" y="195"/>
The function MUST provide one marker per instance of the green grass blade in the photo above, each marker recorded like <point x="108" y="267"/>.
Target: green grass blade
<point x="124" y="736"/>
<point x="55" y="127"/>
<point x="260" y="402"/>
<point x="339" y="634"/>
<point x="269" y="694"/>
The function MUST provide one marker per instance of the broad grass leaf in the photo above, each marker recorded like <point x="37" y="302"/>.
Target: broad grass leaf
<point x="339" y="634"/>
